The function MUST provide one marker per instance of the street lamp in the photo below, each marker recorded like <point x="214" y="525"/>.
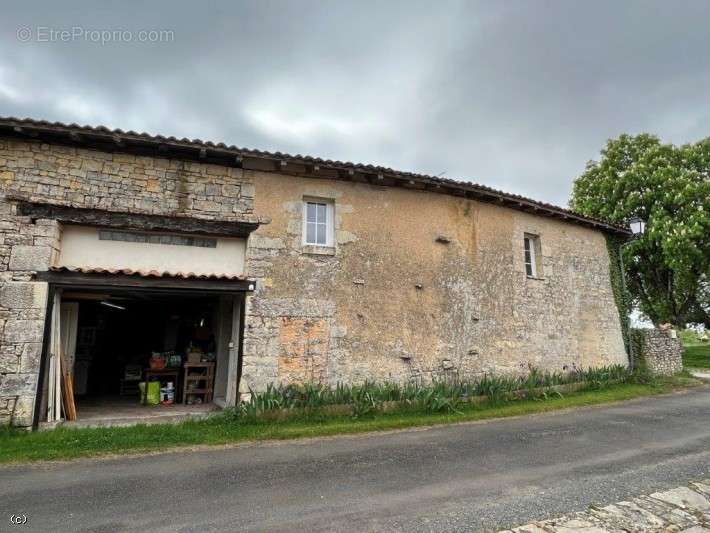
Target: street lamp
<point x="637" y="227"/>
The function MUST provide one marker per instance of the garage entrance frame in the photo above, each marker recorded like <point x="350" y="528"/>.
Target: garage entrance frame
<point x="59" y="281"/>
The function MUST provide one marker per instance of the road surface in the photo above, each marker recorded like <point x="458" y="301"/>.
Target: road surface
<point x="468" y="477"/>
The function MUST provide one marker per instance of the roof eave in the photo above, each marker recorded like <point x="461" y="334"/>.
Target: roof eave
<point x="103" y="138"/>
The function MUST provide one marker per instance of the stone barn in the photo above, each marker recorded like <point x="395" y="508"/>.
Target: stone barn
<point x="123" y="253"/>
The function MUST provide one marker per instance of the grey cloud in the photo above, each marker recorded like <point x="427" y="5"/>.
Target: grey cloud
<point x="516" y="95"/>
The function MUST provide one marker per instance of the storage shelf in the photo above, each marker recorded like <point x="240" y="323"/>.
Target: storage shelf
<point x="201" y="375"/>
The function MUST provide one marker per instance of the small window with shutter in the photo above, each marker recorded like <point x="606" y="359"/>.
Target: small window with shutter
<point x="531" y="251"/>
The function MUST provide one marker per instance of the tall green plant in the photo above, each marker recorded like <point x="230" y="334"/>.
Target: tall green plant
<point x="438" y="396"/>
<point x="668" y="268"/>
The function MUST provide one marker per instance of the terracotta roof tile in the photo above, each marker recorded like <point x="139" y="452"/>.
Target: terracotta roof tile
<point x="514" y="201"/>
<point x="149" y="273"/>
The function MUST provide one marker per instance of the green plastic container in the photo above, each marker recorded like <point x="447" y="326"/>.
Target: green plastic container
<point x="153" y="397"/>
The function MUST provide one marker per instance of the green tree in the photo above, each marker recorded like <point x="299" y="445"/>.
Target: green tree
<point x="668" y="268"/>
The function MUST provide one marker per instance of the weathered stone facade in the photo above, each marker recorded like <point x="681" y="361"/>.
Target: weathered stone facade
<point x="418" y="285"/>
<point x="63" y="175"/>
<point x="122" y="182"/>
<point x="657" y="351"/>
<point x="25" y="247"/>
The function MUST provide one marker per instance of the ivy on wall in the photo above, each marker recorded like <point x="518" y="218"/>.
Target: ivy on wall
<point x="636" y="338"/>
<point x="621" y="296"/>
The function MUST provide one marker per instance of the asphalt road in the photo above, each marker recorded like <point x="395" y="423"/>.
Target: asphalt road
<point x="478" y="476"/>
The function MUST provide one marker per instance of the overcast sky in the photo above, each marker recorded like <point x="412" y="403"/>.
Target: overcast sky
<point x="515" y="95"/>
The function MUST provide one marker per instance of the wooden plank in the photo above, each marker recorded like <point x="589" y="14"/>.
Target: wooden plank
<point x="67" y="387"/>
<point x="56" y="377"/>
<point x="65" y="398"/>
<point x="68" y="397"/>
<point x="50" y="389"/>
<point x="69" y="392"/>
<point x="136" y="221"/>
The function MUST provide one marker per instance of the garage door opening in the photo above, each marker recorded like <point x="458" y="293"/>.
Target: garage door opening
<point x="141" y="355"/>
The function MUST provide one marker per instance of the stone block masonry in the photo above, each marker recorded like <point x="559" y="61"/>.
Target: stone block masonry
<point x="657" y="351"/>
<point x="27" y="246"/>
<point x="75" y="177"/>
<point x="23" y="304"/>
<point x="119" y="182"/>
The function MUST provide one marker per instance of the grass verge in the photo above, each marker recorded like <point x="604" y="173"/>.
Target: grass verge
<point x="697" y="356"/>
<point x="696" y="353"/>
<point x="62" y="443"/>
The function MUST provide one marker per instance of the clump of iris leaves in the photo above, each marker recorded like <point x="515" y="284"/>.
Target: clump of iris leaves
<point x="438" y="396"/>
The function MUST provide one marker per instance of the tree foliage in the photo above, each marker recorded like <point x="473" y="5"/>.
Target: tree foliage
<point x="668" y="268"/>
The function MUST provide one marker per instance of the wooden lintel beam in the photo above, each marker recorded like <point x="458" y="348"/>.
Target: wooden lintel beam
<point x="135" y="221"/>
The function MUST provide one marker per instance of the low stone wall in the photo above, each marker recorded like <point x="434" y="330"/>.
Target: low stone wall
<point x="657" y="351"/>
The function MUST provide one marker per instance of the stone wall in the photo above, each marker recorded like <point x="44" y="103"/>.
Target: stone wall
<point x="89" y="179"/>
<point x="123" y="182"/>
<point x="26" y="246"/>
<point x="419" y="286"/>
<point x="657" y="351"/>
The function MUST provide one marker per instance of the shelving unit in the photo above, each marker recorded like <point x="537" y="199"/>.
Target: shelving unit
<point x="198" y="382"/>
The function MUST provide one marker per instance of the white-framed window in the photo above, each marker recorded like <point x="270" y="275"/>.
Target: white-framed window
<point x="318" y="222"/>
<point x="532" y="253"/>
